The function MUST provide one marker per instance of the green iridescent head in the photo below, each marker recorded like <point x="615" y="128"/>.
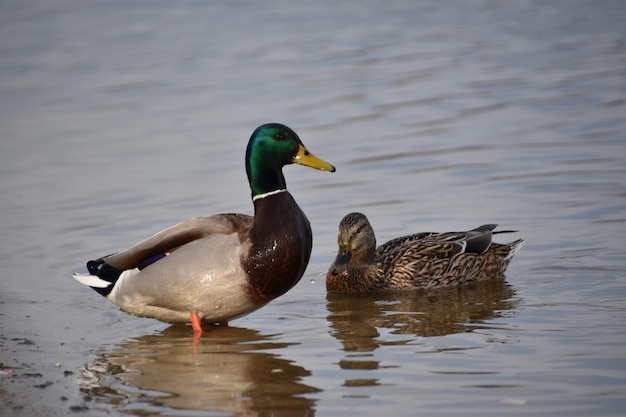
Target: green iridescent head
<point x="271" y="147"/>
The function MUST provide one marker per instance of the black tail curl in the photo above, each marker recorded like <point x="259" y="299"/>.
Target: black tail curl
<point x="105" y="272"/>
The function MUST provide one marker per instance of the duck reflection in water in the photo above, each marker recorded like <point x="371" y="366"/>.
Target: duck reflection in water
<point x="357" y="318"/>
<point x="227" y="372"/>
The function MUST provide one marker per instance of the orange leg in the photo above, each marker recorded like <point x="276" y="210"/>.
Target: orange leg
<point x="196" y="324"/>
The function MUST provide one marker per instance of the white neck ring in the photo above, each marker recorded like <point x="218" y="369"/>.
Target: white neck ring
<point x="260" y="196"/>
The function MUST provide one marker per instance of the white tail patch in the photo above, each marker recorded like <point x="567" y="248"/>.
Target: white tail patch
<point x="91" y="280"/>
<point x="515" y="247"/>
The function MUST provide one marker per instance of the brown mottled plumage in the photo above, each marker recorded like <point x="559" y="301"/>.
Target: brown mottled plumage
<point x="422" y="260"/>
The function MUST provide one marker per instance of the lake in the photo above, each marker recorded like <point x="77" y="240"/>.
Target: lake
<point x="119" y="119"/>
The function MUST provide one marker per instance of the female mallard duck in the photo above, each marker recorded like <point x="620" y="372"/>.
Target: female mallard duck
<point x="422" y="260"/>
<point x="219" y="267"/>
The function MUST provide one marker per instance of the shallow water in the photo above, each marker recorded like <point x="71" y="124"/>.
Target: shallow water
<point x="121" y="119"/>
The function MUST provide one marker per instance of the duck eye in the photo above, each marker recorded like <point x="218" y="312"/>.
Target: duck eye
<point x="279" y="136"/>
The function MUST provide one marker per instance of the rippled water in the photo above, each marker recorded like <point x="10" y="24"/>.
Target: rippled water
<point x="119" y="119"/>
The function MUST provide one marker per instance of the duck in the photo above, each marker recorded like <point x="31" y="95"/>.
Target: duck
<point x="419" y="261"/>
<point x="217" y="268"/>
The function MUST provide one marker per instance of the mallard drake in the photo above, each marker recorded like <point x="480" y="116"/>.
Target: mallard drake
<point x="217" y="268"/>
<point x="422" y="260"/>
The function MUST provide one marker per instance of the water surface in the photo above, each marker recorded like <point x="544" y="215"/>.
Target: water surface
<point x="121" y="119"/>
